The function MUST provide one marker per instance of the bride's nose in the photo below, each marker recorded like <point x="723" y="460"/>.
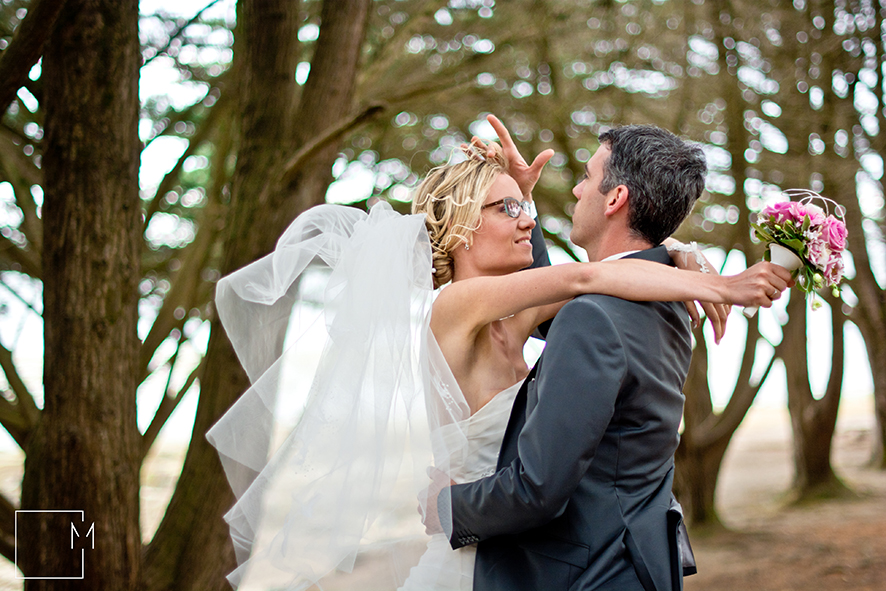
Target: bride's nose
<point x="525" y="221"/>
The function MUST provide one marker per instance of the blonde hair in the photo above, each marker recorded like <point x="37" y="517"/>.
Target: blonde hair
<point x="451" y="197"/>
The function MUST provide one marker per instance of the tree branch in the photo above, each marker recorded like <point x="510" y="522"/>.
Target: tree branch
<point x="203" y="131"/>
<point x="7" y="528"/>
<point x="183" y="290"/>
<point x="17" y="255"/>
<point x="14" y="161"/>
<point x="831" y="398"/>
<point x="26" y="406"/>
<point x="12" y="420"/>
<point x="26" y="47"/>
<point x="745" y="392"/>
<point x="329" y="136"/>
<point x="31" y="226"/>
<point x="709" y="434"/>
<point x="19" y="297"/>
<point x="180" y="30"/>
<point x="562" y="244"/>
<point x="168" y="405"/>
<point x="174" y="117"/>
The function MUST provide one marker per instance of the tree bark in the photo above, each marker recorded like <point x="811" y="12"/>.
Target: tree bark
<point x="707" y="434"/>
<point x="266" y="58"/>
<point x="870" y="316"/>
<point x="813" y="421"/>
<point x="872" y="298"/>
<point x="697" y="465"/>
<point x="273" y="126"/>
<point x="84" y="452"/>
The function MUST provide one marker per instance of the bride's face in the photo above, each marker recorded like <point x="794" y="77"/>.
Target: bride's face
<point x="501" y="244"/>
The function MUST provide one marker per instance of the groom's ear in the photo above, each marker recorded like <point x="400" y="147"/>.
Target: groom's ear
<point x="616" y="201"/>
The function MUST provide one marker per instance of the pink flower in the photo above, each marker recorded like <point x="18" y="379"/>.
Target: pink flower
<point x="794" y="211"/>
<point x="781" y="211"/>
<point x="833" y="273"/>
<point x="819" y="253"/>
<point x="815" y="215"/>
<point x="834" y="231"/>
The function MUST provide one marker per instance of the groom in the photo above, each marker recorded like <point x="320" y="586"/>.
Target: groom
<point x="582" y="496"/>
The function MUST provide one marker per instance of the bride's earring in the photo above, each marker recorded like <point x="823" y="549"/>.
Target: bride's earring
<point x="467" y="246"/>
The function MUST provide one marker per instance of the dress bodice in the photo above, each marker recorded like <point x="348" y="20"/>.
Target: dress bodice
<point x="483" y="431"/>
<point x="468" y="448"/>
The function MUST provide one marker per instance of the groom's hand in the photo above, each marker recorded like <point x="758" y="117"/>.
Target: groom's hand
<point x="427" y="500"/>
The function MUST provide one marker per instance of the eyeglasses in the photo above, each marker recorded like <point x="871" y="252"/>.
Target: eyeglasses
<point x="513" y="207"/>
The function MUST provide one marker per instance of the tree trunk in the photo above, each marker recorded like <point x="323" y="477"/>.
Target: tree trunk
<point x="813" y="421"/>
<point x="695" y="485"/>
<point x="697" y="465"/>
<point x="869" y="315"/>
<point x="706" y="433"/>
<point x="261" y="208"/>
<point x="84" y="453"/>
<point x="872" y="297"/>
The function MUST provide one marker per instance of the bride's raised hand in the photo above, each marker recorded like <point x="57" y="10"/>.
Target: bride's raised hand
<point x="525" y="174"/>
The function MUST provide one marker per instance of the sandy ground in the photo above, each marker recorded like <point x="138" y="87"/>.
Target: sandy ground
<point x="771" y="546"/>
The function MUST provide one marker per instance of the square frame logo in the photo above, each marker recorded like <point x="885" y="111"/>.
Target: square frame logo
<point x="21" y="527"/>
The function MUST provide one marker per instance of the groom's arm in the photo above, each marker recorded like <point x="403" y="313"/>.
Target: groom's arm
<point x="581" y="375"/>
<point x="539" y="247"/>
<point x="540" y="259"/>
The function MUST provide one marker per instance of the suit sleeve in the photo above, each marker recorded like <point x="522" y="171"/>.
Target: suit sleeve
<point x="577" y="386"/>
<point x="540" y="259"/>
<point x="539" y="247"/>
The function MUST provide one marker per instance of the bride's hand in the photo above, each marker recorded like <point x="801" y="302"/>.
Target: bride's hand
<point x="686" y="260"/>
<point x="525" y="174"/>
<point x="759" y="285"/>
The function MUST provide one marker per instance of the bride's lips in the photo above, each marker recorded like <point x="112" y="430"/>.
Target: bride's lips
<point x="525" y="240"/>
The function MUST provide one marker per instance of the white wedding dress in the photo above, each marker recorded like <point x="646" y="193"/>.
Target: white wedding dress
<point x="327" y="454"/>
<point x="441" y="568"/>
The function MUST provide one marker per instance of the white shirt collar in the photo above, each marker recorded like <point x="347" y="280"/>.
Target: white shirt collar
<point x="619" y="255"/>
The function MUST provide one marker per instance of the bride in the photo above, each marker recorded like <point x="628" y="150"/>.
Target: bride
<point x="411" y="375"/>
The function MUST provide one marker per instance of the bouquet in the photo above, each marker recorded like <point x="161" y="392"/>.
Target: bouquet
<point x="805" y="238"/>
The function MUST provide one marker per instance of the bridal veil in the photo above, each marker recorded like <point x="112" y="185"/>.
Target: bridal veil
<point x="328" y="449"/>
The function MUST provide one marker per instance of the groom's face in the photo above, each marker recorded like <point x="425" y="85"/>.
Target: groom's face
<point x="588" y="218"/>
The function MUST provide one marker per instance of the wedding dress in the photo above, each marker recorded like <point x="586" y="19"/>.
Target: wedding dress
<point x="441" y="568"/>
<point x="326" y="454"/>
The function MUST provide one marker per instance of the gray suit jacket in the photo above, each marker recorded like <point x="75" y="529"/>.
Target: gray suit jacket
<point x="582" y="498"/>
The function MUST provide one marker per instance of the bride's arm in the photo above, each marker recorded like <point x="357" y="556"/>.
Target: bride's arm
<point x="471" y="304"/>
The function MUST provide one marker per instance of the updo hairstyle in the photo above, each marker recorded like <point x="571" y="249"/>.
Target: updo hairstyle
<point x="451" y="197"/>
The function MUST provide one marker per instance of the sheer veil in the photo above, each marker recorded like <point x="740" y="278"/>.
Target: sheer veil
<point x="326" y="453"/>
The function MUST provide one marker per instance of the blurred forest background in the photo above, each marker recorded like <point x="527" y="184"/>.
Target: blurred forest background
<point x="149" y="148"/>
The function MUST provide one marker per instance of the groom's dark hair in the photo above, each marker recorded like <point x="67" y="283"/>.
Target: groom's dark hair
<point x="664" y="176"/>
